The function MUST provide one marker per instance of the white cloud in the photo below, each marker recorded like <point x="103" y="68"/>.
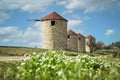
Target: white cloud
<point x="110" y="32"/>
<point x="61" y="2"/>
<point x="91" y="5"/>
<point x="25" y="5"/>
<point x="74" y="23"/>
<point x="8" y="34"/>
<point x="3" y="16"/>
<point x="37" y="25"/>
<point x="36" y="5"/>
<point x="30" y="6"/>
<point x="7" y="30"/>
<point x="12" y="34"/>
<point x="33" y="6"/>
<point x="29" y="35"/>
<point x="67" y="12"/>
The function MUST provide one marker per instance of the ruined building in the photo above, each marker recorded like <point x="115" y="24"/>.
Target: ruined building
<point x="56" y="36"/>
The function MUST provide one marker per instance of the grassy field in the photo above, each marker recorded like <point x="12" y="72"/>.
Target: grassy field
<point x="21" y="51"/>
<point x="59" y="65"/>
<point x="18" y="51"/>
<point x="7" y="69"/>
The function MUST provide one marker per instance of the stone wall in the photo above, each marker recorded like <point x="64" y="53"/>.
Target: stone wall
<point x="72" y="43"/>
<point x="81" y="45"/>
<point x="86" y="46"/>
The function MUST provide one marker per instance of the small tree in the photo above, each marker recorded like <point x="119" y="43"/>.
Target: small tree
<point x="116" y="52"/>
<point x="100" y="45"/>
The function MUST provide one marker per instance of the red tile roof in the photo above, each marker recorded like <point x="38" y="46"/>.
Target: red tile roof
<point x="80" y="36"/>
<point x="70" y="32"/>
<point x="53" y="16"/>
<point x="90" y="37"/>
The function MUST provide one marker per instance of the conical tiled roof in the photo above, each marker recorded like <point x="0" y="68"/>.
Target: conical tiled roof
<point x="53" y="16"/>
<point x="70" y="32"/>
<point x="80" y="36"/>
<point x="90" y="37"/>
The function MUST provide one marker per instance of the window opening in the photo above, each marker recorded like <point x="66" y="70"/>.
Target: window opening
<point x="68" y="36"/>
<point x="90" y="39"/>
<point x="52" y="23"/>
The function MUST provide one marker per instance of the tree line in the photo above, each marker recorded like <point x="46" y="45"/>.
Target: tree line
<point x="101" y="45"/>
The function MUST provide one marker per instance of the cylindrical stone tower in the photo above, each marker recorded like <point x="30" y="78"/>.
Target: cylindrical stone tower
<point x="54" y="28"/>
<point x="81" y="43"/>
<point x="72" y="41"/>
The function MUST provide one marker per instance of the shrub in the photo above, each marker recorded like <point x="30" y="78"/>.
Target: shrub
<point x="52" y="65"/>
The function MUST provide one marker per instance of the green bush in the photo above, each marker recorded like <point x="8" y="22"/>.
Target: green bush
<point x="8" y="70"/>
<point x="52" y="65"/>
<point x="55" y="65"/>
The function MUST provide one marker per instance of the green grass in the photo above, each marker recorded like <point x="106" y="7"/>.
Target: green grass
<point x="18" y="51"/>
<point x="55" y="65"/>
<point x="7" y="70"/>
<point x="66" y="65"/>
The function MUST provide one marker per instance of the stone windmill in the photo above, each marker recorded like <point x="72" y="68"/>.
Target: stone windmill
<point x="90" y="44"/>
<point x="54" y="28"/>
<point x="72" y="41"/>
<point x="81" y="43"/>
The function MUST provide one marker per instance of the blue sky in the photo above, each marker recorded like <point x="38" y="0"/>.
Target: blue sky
<point x="100" y="18"/>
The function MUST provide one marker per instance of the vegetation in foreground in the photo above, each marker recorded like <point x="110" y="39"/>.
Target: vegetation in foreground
<point x="54" y="65"/>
